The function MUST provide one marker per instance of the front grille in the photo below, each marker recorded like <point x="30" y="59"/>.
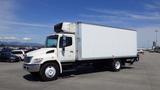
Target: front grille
<point x="27" y="59"/>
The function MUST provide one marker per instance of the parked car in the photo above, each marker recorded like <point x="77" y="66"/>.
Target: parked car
<point x="29" y="50"/>
<point x="19" y="53"/>
<point x="6" y="49"/>
<point x="157" y="49"/>
<point x="8" y="57"/>
<point x="140" y="51"/>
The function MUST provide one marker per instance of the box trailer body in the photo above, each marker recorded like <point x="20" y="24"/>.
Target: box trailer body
<point x="78" y="43"/>
<point x="101" y="42"/>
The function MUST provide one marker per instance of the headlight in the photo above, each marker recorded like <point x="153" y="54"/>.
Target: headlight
<point x="37" y="60"/>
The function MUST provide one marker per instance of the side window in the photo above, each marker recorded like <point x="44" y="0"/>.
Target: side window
<point x="61" y="42"/>
<point x="67" y="41"/>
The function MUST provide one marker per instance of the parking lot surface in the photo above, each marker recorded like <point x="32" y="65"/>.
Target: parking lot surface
<point x="143" y="75"/>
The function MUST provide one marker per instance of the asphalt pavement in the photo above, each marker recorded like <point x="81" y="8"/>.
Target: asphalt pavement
<point x="143" y="75"/>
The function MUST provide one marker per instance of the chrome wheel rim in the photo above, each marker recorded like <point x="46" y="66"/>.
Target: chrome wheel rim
<point x="50" y="72"/>
<point x="117" y="65"/>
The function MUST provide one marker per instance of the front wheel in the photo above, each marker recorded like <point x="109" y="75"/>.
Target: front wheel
<point x="49" y="71"/>
<point x="116" y="65"/>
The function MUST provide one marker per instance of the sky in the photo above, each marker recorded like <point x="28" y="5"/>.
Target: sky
<point x="33" y="20"/>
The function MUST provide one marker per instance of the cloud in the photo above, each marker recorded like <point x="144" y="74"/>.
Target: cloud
<point x="27" y="39"/>
<point x="8" y="38"/>
<point x="7" y="12"/>
<point x="146" y="35"/>
<point x="106" y="13"/>
<point x="7" y="9"/>
<point x="13" y="25"/>
<point x="25" y="24"/>
<point x="96" y="16"/>
<point x="153" y="16"/>
<point x="8" y="17"/>
<point x="121" y="18"/>
<point x="13" y="38"/>
<point x="145" y="22"/>
<point x="155" y="5"/>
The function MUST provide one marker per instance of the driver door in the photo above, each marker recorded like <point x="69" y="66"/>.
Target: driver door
<point x="67" y="48"/>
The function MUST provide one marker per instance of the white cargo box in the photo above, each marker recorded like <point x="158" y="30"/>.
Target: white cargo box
<point x="102" y="42"/>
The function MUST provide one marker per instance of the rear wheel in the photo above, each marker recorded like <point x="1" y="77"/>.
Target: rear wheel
<point x="116" y="65"/>
<point x="49" y="71"/>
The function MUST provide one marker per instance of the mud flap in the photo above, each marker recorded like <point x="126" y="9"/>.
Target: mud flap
<point x="134" y="60"/>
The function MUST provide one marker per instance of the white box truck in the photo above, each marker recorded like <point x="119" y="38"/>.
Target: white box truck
<point x="73" y="44"/>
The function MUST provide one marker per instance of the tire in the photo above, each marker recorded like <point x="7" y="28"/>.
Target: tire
<point x="116" y="65"/>
<point x="49" y="71"/>
<point x="11" y="61"/>
<point x="19" y="59"/>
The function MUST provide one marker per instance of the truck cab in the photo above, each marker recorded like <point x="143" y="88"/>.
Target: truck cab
<point x="65" y="46"/>
<point x="59" y="48"/>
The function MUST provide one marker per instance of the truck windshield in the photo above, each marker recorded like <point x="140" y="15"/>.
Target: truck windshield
<point x="52" y="41"/>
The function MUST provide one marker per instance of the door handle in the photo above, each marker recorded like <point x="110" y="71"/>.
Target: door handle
<point x="71" y="51"/>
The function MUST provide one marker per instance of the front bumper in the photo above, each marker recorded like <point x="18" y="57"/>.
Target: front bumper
<point x="32" y="67"/>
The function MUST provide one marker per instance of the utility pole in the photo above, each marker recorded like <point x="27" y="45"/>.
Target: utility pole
<point x="156" y="31"/>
